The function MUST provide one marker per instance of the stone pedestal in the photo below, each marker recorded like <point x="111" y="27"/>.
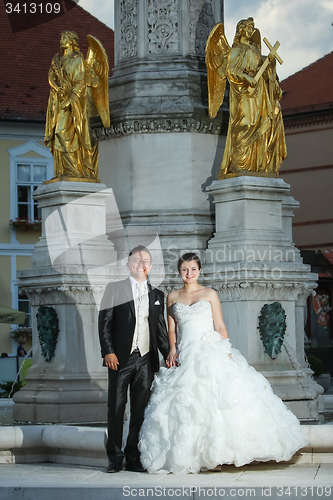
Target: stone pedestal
<point x="251" y="261"/>
<point x="162" y="149"/>
<point x="72" y="263"/>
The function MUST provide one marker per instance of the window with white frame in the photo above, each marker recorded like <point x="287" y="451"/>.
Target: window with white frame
<point x="26" y="174"/>
<point x="23" y="305"/>
<point x="28" y="177"/>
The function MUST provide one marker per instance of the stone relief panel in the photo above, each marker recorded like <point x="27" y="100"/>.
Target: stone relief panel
<point x="128" y="29"/>
<point x="163" y="125"/>
<point x="163" y="26"/>
<point x="201" y="19"/>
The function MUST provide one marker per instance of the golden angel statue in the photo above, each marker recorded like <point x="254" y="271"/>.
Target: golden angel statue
<point x="79" y="90"/>
<point x="255" y="140"/>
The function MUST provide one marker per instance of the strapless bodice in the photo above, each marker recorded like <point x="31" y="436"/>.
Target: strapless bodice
<point x="193" y="320"/>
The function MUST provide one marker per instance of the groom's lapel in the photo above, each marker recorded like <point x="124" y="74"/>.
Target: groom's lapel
<point x="129" y="295"/>
<point x="151" y="295"/>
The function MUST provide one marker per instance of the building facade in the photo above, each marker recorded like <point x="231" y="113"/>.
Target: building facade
<point x="307" y="106"/>
<point x="25" y="162"/>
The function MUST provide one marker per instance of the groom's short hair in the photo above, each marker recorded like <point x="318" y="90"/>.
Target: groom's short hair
<point x="139" y="249"/>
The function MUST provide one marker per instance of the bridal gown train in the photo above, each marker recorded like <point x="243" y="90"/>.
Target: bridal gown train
<point x="213" y="409"/>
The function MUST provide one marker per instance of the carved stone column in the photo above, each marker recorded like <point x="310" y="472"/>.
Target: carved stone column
<point x="162" y="149"/>
<point x="72" y="263"/>
<point x="251" y="261"/>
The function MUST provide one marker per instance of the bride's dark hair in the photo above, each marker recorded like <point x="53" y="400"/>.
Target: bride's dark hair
<point x="187" y="257"/>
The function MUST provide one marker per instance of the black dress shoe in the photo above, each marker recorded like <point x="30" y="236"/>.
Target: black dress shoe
<point x="114" y="467"/>
<point x="135" y="466"/>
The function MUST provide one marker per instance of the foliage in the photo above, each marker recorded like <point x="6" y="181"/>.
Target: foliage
<point x="316" y="365"/>
<point x="9" y="389"/>
<point x="26" y="224"/>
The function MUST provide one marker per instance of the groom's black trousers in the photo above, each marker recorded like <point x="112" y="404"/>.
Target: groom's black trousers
<point x="137" y="375"/>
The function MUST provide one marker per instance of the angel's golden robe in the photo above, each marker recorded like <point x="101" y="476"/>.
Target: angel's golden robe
<point x="67" y="125"/>
<point x="255" y="140"/>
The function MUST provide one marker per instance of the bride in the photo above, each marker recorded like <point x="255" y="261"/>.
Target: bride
<point x="209" y="407"/>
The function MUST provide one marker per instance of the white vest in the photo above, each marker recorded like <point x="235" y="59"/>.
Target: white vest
<point x="141" y="303"/>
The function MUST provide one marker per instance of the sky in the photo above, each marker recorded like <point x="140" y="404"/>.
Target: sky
<point x="303" y="27"/>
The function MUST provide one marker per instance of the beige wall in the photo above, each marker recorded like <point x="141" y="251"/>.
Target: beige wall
<point x="308" y="147"/>
<point x="28" y="237"/>
<point x="311" y="147"/>
<point x="5" y="300"/>
<point x="23" y="262"/>
<point x="5" y="188"/>
<point x="314" y="190"/>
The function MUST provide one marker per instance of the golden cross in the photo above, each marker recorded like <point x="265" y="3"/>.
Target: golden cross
<point x="273" y="52"/>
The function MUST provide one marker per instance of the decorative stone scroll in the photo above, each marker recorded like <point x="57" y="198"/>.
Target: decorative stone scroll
<point x="128" y="29"/>
<point x="163" y="26"/>
<point x="201" y="21"/>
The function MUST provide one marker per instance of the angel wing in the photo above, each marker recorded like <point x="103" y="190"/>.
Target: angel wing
<point x="217" y="50"/>
<point x="97" y="74"/>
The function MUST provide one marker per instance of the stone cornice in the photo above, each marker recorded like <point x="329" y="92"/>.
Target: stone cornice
<point x="300" y="120"/>
<point x="63" y="294"/>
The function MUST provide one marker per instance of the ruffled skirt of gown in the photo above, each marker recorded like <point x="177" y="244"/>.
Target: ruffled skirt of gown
<point x="213" y="409"/>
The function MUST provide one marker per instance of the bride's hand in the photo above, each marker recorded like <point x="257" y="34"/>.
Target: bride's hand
<point x="171" y="359"/>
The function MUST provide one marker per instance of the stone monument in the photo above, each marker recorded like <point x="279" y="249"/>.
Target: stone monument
<point x="71" y="265"/>
<point x="167" y="152"/>
<point x="161" y="153"/>
<point x="163" y="145"/>
<point x="251" y="260"/>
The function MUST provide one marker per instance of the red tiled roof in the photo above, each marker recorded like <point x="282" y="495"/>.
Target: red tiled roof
<point x="310" y="89"/>
<point x="26" y="55"/>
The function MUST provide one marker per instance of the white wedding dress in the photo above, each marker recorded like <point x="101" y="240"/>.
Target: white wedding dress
<point x="212" y="409"/>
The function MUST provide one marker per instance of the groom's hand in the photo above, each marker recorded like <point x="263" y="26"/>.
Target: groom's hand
<point x="111" y="361"/>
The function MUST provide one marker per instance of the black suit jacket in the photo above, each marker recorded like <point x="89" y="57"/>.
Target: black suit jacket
<point x="116" y="323"/>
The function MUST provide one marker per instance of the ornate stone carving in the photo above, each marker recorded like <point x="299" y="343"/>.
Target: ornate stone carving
<point x="201" y="20"/>
<point x="128" y="29"/>
<point x="269" y="290"/>
<point x="272" y="328"/>
<point x="60" y="294"/>
<point x="48" y="330"/>
<point x="166" y="289"/>
<point x="163" y="26"/>
<point x="158" y="125"/>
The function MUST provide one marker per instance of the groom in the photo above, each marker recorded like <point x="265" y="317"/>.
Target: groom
<point x="131" y="330"/>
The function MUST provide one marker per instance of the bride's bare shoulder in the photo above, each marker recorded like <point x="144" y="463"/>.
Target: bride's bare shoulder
<point x="172" y="297"/>
<point x="210" y="294"/>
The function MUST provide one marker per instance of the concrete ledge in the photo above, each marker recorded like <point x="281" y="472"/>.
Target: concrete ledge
<point x="85" y="445"/>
